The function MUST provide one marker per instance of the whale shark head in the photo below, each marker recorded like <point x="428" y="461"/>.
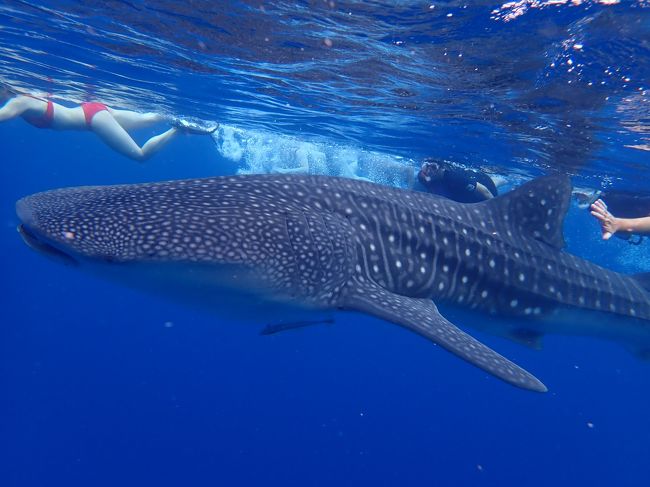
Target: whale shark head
<point x="124" y="224"/>
<point x="55" y="223"/>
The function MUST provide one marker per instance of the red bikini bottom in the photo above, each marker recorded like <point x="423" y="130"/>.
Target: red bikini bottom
<point x="91" y="109"/>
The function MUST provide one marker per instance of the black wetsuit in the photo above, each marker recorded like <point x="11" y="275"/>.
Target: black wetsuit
<point x="459" y="184"/>
<point x="625" y="204"/>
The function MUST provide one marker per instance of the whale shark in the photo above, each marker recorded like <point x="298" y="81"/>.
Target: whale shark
<point x="323" y="244"/>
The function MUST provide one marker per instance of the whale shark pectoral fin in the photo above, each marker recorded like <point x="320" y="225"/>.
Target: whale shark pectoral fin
<point x="422" y="317"/>
<point x="273" y="328"/>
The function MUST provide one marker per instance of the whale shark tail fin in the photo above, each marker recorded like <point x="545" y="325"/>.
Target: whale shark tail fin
<point x="422" y="317"/>
<point x="536" y="209"/>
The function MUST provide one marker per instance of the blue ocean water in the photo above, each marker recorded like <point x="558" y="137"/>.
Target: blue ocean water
<point x="103" y="385"/>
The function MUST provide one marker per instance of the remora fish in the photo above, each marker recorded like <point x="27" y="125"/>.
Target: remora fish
<point x="326" y="243"/>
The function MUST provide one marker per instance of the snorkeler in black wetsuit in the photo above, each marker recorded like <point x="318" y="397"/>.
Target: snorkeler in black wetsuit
<point x="623" y="204"/>
<point x="626" y="204"/>
<point x="463" y="185"/>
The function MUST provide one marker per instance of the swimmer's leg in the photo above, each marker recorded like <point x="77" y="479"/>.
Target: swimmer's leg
<point x="118" y="139"/>
<point x="130" y="120"/>
<point x="15" y="107"/>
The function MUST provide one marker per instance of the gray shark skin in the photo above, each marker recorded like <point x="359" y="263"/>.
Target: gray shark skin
<point x="327" y="243"/>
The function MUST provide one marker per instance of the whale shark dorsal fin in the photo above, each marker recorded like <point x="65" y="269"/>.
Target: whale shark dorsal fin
<point x="422" y="317"/>
<point x="536" y="209"/>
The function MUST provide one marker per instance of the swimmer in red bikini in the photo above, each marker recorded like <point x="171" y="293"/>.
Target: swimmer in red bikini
<point x="109" y="124"/>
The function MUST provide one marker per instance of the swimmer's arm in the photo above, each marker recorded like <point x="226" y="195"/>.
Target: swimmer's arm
<point x="15" y="107"/>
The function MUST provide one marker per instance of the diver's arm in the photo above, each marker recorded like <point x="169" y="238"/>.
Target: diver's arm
<point x="483" y="191"/>
<point x="640" y="226"/>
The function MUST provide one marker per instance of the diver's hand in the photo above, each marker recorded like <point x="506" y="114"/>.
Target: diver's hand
<point x="609" y="224"/>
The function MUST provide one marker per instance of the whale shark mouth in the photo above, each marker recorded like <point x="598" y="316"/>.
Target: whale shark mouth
<point x="45" y="248"/>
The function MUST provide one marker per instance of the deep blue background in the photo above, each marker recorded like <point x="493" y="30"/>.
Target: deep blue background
<point x="101" y="385"/>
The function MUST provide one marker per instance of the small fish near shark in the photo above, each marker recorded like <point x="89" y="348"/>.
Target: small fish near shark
<point x="324" y="243"/>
